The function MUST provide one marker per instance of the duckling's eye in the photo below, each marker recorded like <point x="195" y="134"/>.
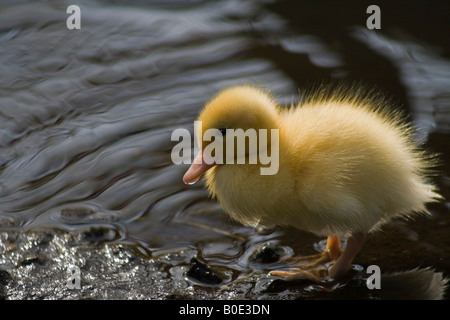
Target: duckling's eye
<point x="223" y="131"/>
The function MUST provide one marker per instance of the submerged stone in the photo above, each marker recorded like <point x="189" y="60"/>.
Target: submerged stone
<point x="201" y="272"/>
<point x="267" y="255"/>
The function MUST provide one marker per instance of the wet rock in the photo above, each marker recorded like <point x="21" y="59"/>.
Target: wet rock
<point x="280" y="285"/>
<point x="201" y="272"/>
<point x="32" y="261"/>
<point x="178" y="296"/>
<point x="35" y="269"/>
<point x="45" y="239"/>
<point x="98" y="235"/>
<point x="32" y="270"/>
<point x="5" y="278"/>
<point x="267" y="255"/>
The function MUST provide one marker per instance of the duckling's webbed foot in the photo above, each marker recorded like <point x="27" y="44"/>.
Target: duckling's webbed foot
<point x="316" y="275"/>
<point x="315" y="268"/>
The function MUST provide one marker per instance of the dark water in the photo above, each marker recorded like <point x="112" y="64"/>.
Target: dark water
<point x="86" y="117"/>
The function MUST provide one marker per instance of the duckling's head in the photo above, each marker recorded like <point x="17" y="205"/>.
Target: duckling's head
<point x="240" y="107"/>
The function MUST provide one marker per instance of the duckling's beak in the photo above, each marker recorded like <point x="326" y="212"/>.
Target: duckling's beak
<point x="197" y="168"/>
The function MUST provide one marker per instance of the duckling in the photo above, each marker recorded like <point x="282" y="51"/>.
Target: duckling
<point x="347" y="165"/>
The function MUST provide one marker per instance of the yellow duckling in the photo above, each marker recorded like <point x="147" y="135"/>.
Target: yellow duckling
<point x="346" y="166"/>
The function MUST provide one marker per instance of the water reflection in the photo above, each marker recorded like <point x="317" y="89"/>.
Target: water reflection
<point x="423" y="72"/>
<point x="86" y="116"/>
<point x="415" y="284"/>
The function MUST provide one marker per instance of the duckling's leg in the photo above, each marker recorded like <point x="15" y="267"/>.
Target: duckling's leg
<point x="333" y="247"/>
<point x="344" y="262"/>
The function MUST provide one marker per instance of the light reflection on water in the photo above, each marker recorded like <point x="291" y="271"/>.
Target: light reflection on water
<point x="86" y="116"/>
